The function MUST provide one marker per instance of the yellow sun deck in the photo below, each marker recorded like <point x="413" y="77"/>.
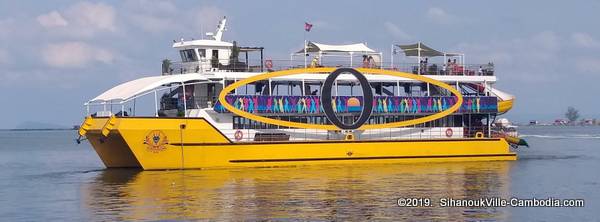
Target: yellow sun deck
<point x="153" y="143"/>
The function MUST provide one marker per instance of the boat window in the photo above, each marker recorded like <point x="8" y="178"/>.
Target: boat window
<point x="188" y="55"/>
<point x="202" y="53"/>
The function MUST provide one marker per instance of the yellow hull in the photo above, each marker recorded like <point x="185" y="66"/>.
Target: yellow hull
<point x="505" y="106"/>
<point x="192" y="143"/>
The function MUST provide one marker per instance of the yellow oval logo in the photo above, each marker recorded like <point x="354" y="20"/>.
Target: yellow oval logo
<point x="156" y="141"/>
<point x="266" y="76"/>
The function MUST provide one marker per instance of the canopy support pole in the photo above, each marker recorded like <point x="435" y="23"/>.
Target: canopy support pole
<point x="184" y="100"/>
<point x="392" y="57"/>
<point x="489" y="126"/>
<point x="155" y="104"/>
<point x="351" y="59"/>
<point x="445" y="60"/>
<point x="305" y="53"/>
<point x="464" y="64"/>
<point x="419" y="58"/>
<point x="320" y="60"/>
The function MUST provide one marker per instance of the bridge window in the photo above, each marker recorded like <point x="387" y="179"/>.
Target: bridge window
<point x="188" y="55"/>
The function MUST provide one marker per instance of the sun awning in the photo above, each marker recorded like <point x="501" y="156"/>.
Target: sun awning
<point x="324" y="48"/>
<point x="139" y="86"/>
<point x="425" y="51"/>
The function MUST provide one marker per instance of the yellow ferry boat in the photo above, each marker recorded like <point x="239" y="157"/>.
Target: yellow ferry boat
<point x="212" y="110"/>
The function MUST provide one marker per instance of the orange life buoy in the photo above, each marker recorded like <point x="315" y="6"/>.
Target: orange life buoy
<point x="269" y="64"/>
<point x="449" y="132"/>
<point x="238" y="135"/>
<point x="479" y="135"/>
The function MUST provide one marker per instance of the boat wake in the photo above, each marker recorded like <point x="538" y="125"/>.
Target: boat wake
<point x="573" y="136"/>
<point x="548" y="157"/>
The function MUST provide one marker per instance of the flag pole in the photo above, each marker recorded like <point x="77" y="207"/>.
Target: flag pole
<point x="392" y="58"/>
<point x="304" y="46"/>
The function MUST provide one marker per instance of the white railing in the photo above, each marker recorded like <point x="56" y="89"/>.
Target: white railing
<point x="269" y="65"/>
<point x="299" y="135"/>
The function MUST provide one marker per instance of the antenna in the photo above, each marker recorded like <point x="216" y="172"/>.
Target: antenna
<point x="220" y="29"/>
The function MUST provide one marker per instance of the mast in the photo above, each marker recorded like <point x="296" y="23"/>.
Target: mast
<point x="220" y="29"/>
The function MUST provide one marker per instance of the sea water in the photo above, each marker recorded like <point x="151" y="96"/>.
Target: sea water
<point x="46" y="176"/>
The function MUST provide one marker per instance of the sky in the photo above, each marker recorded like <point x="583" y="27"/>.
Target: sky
<point x="55" y="55"/>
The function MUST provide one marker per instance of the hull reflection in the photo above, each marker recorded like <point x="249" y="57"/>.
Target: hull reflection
<point x="365" y="192"/>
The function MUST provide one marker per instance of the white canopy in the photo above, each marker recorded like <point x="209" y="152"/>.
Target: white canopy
<point x="318" y="47"/>
<point x="136" y="87"/>
<point x="420" y="49"/>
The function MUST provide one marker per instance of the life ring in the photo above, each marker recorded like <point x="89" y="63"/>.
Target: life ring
<point x="269" y="64"/>
<point x="479" y="135"/>
<point x="449" y="132"/>
<point x="238" y="135"/>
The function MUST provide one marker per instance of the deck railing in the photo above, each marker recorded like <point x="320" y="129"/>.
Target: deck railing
<point x="403" y="133"/>
<point x="269" y="65"/>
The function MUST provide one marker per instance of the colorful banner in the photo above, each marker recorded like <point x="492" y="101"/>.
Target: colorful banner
<point x="345" y="104"/>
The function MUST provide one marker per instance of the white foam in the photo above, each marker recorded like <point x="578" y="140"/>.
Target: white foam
<point x="572" y="136"/>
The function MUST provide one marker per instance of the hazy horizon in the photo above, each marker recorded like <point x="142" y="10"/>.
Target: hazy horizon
<point x="57" y="55"/>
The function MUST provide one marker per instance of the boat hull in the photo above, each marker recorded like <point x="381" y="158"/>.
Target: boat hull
<point x="193" y="143"/>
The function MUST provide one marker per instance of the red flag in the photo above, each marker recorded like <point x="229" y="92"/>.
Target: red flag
<point x="307" y="26"/>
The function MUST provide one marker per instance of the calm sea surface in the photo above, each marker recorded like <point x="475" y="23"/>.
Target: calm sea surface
<point x="45" y="176"/>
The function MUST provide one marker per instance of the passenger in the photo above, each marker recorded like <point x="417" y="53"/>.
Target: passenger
<point x="443" y="69"/>
<point x="365" y="61"/>
<point x="371" y="62"/>
<point x="315" y="62"/>
<point x="480" y="71"/>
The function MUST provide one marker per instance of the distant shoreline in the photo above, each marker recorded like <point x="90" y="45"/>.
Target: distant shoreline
<point x="49" y="129"/>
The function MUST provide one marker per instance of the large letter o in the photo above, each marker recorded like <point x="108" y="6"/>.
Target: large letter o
<point x="367" y="99"/>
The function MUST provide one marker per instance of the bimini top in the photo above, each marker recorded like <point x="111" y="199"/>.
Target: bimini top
<point x="128" y="90"/>
<point x="420" y="49"/>
<point x="318" y="47"/>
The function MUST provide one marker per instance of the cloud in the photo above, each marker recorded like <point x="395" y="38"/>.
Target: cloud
<point x="584" y="40"/>
<point x="4" y="58"/>
<point x="83" y="19"/>
<point x="153" y="16"/>
<point x="95" y="15"/>
<point x="547" y="40"/>
<point x="535" y="58"/>
<point x="8" y="27"/>
<point x="164" y="16"/>
<point x="588" y="65"/>
<point x="395" y="31"/>
<point x="51" y="20"/>
<point x="440" y="16"/>
<point x="206" y="18"/>
<point x="74" y="55"/>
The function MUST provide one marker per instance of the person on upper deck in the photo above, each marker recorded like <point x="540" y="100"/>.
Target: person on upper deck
<point x="315" y="62"/>
<point x="371" y="62"/>
<point x="365" y="61"/>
